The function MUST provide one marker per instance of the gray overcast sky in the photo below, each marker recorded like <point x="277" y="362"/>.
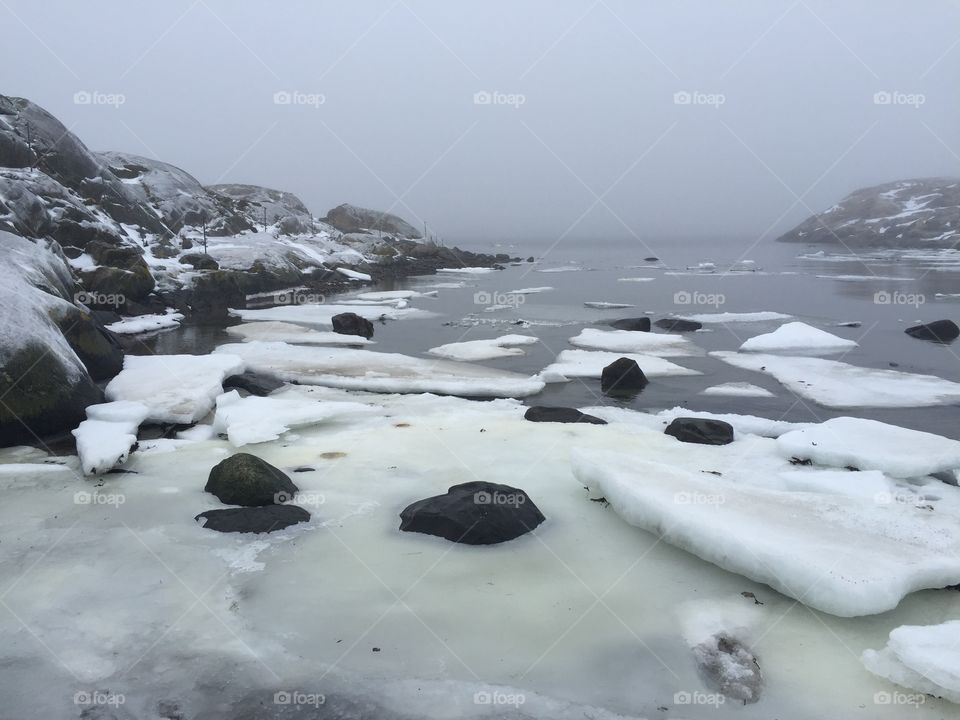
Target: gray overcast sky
<point x="782" y="103"/>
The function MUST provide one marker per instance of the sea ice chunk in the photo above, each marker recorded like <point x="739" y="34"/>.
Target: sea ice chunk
<point x="104" y="439"/>
<point x="146" y="323"/>
<point x="835" y="384"/>
<point x="646" y="343"/>
<point x="489" y="349"/>
<point x="738" y="389"/>
<point x="799" y="339"/>
<point x="590" y="363"/>
<point x="293" y="334"/>
<point x="323" y="314"/>
<point x="921" y="657"/>
<point x="732" y="317"/>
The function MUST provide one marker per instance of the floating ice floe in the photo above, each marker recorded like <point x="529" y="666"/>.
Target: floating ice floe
<point x="389" y="295"/>
<point x="635" y="279"/>
<point x="353" y="274"/>
<point x="175" y="388"/>
<point x="146" y="324"/>
<point x="645" y="343"/>
<point x="872" y="445"/>
<point x="742" y="424"/>
<point x="490" y="349"/>
<point x="599" y="305"/>
<point x="293" y="334"/>
<point x="732" y="317"/>
<point x="322" y="314"/>
<point x="261" y="419"/>
<point x="925" y="658"/>
<point x="738" y="389"/>
<point x="560" y="269"/>
<point x="530" y="290"/>
<point x="834" y="553"/>
<point x="104" y="439"/>
<point x="379" y="372"/>
<point x="798" y="338"/>
<point x="835" y="384"/>
<point x="468" y="270"/>
<point x="590" y="364"/>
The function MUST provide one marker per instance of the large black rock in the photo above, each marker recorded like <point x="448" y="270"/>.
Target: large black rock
<point x="352" y="324"/>
<point x="255" y="384"/>
<point x="637" y="324"/>
<point x="623" y="376"/>
<point x="678" y="325"/>
<point x="542" y="413"/>
<point x="253" y="519"/>
<point x="938" y="331"/>
<point x="244" y="479"/>
<point x="474" y="513"/>
<point x="701" y="431"/>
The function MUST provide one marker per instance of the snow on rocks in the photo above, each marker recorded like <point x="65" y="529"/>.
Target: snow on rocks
<point x="354" y="275"/>
<point x="872" y="445"/>
<point x="175" y="388"/>
<point x="798" y="338"/>
<point x="590" y="364"/>
<point x="105" y="438"/>
<point x="738" y="389"/>
<point x="490" y="349"/>
<point x="626" y="341"/>
<point x="834" y="553"/>
<point x="294" y="334"/>
<point x="146" y="323"/>
<point x="835" y="384"/>
<point x="380" y="372"/>
<point x="261" y="419"/>
<point x="925" y="658"/>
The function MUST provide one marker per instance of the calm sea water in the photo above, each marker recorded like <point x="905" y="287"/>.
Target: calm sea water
<point x="885" y="294"/>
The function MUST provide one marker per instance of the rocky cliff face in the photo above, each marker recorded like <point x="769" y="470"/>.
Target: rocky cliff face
<point x="283" y="209"/>
<point x="908" y="213"/>
<point x="351" y="219"/>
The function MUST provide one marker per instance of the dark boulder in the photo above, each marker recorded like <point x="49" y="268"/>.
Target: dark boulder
<point x="542" y="413"/>
<point x="651" y="259"/>
<point x="98" y="349"/>
<point x="637" y="324"/>
<point x="938" y="331"/>
<point x="259" y="385"/>
<point x="253" y="519"/>
<point x="200" y="261"/>
<point x="678" y="325"/>
<point x="116" y="285"/>
<point x="474" y="513"/>
<point x="702" y="431"/>
<point x="623" y="376"/>
<point x="352" y="324"/>
<point x="245" y="479"/>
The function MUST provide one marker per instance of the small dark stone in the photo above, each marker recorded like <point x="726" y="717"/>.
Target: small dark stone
<point x="245" y="479"/>
<point x="304" y="469"/>
<point x="530" y="259"/>
<point x="938" y="331"/>
<point x="651" y="259"/>
<point x="637" y="324"/>
<point x="623" y="376"/>
<point x="701" y="430"/>
<point x="253" y="519"/>
<point x="254" y="384"/>
<point x="542" y="413"/>
<point x="474" y="513"/>
<point x="678" y="325"/>
<point x="352" y="324"/>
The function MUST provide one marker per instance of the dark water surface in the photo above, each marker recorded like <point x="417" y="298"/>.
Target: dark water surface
<point x="894" y="291"/>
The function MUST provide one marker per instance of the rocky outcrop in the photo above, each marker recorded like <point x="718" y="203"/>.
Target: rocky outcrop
<point x="283" y="209"/>
<point x="701" y="431"/>
<point x="623" y="377"/>
<point x="543" y="413"/>
<point x="268" y="518"/>
<point x="641" y="324"/>
<point x="352" y="324"/>
<point x="350" y="219"/>
<point x="245" y="479"/>
<point x="942" y="331"/>
<point x="678" y="325"/>
<point x="924" y="212"/>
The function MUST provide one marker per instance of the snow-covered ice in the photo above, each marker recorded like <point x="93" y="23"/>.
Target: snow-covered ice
<point x="590" y="364"/>
<point x="835" y="384"/>
<point x="379" y="372"/>
<point x="104" y="439"/>
<point x="733" y="317"/>
<point x="635" y="279"/>
<point x="797" y="338"/>
<point x="388" y="295"/>
<point x="601" y="305"/>
<point x="146" y="323"/>
<point x="175" y="388"/>
<point x="644" y="343"/>
<point x="489" y="349"/>
<point x="872" y="445"/>
<point x="530" y="290"/>
<point x="925" y="658"/>
<point x="738" y="389"/>
<point x="294" y="334"/>
<point x="261" y="419"/>
<point x="468" y="270"/>
<point x="322" y="314"/>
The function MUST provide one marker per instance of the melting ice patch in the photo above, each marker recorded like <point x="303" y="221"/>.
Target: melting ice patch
<point x="738" y="389"/>
<point x="323" y="314"/>
<point x="836" y="384"/>
<point x="146" y="323"/>
<point x="925" y="658"/>
<point x="104" y="439"/>
<point x="798" y="338"/>
<point x="293" y="334"/>
<point x="490" y="349"/>
<point x="732" y="317"/>
<point x="645" y="343"/>
<point x="590" y="364"/>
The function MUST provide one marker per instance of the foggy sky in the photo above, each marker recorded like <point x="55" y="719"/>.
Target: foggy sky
<point x="599" y="148"/>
